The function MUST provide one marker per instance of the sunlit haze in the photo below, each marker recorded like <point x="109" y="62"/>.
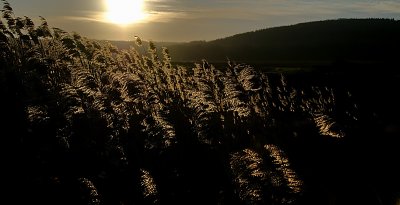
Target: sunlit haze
<point x="188" y="20"/>
<point x="124" y="12"/>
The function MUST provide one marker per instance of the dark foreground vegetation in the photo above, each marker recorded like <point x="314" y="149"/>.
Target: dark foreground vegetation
<point x="86" y="123"/>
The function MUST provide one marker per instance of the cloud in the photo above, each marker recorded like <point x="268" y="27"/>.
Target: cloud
<point x="185" y="20"/>
<point x="155" y="11"/>
<point x="94" y="16"/>
<point x="254" y="10"/>
<point x="377" y="7"/>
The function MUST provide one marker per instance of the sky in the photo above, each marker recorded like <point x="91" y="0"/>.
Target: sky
<point x="190" y="20"/>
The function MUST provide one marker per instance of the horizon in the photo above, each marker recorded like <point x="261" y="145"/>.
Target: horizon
<point x="185" y="21"/>
<point x="260" y="29"/>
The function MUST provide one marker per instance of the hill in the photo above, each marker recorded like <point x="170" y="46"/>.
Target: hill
<point x="321" y="42"/>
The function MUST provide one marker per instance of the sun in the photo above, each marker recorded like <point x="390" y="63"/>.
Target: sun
<point x="124" y="12"/>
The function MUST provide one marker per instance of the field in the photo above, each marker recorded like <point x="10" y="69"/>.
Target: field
<point x="84" y="122"/>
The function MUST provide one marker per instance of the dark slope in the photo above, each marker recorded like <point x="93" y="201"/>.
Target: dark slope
<point x="356" y="40"/>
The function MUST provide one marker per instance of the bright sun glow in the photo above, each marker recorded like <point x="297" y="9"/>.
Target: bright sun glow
<point x="125" y="12"/>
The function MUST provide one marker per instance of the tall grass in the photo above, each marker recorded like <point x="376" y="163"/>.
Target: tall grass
<point x="133" y="128"/>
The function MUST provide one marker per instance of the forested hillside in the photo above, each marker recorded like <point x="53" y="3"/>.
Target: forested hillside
<point x="322" y="42"/>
